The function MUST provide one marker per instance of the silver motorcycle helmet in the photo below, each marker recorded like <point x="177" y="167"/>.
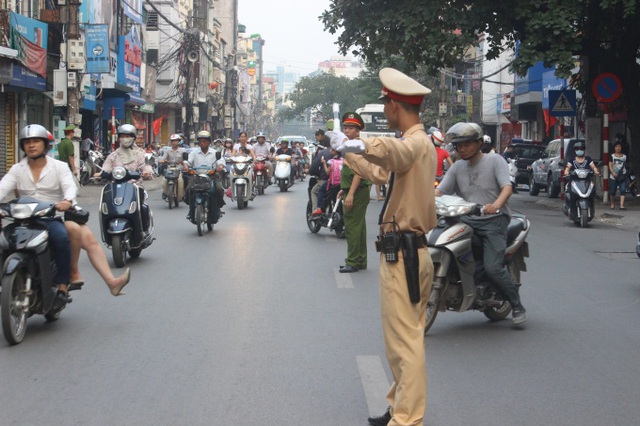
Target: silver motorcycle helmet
<point x="127" y="135"/>
<point x="463" y="132"/>
<point x="579" y="148"/>
<point x="31" y="131"/>
<point x="203" y="134"/>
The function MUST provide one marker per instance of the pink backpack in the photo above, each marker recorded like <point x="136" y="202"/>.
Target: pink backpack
<point x="334" y="173"/>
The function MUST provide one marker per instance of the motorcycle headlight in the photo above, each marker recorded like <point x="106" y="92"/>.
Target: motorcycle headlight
<point x="119" y="173"/>
<point x="241" y="166"/>
<point x="23" y="211"/>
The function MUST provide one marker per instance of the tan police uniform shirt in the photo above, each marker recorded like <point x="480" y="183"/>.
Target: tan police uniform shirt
<point x="413" y="159"/>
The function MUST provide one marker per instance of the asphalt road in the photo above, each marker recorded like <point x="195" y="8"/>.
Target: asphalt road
<point x="252" y="324"/>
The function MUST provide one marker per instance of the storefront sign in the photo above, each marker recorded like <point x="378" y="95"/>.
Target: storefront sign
<point x="97" y="36"/>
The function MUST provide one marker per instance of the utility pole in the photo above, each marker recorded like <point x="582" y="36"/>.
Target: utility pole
<point x="442" y="106"/>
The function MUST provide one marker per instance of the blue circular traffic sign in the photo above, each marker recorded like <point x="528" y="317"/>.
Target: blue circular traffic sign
<point x="607" y="87"/>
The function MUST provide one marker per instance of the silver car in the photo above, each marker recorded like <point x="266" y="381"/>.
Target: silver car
<point x="545" y="172"/>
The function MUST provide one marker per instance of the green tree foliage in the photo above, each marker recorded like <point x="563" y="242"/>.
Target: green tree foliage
<point x="595" y="35"/>
<point x="320" y="92"/>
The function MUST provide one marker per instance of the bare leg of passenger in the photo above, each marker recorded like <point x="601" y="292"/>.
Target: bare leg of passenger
<point x="75" y="239"/>
<point x="100" y="263"/>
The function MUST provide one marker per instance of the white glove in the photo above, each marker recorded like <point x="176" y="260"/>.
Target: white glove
<point x="337" y="138"/>
<point x="356" y="146"/>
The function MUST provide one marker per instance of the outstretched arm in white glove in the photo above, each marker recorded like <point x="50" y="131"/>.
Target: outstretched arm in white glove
<point x="356" y="146"/>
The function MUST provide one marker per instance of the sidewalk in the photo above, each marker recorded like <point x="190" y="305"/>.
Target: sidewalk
<point x="628" y="218"/>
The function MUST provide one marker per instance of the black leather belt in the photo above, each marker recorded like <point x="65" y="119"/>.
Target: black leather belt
<point x="421" y="242"/>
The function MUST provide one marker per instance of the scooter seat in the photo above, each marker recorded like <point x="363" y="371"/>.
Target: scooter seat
<point x="517" y="224"/>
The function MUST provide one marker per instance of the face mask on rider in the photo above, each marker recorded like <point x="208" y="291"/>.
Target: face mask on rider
<point x="126" y="141"/>
<point x="579" y="153"/>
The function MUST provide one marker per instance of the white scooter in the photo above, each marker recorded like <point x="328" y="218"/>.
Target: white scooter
<point x="242" y="190"/>
<point x="282" y="172"/>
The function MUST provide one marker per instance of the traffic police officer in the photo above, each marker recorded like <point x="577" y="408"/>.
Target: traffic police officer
<point x="356" y="199"/>
<point x="406" y="269"/>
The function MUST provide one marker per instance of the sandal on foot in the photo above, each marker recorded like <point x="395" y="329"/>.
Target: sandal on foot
<point x="623" y="208"/>
<point x="117" y="290"/>
<point x="76" y="285"/>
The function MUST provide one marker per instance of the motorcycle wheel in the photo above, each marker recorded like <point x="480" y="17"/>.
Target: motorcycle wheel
<point x="170" y="197"/>
<point x="283" y="185"/>
<point x="260" y="185"/>
<point x="84" y="178"/>
<point x="314" y="225"/>
<point x="176" y="202"/>
<point x="14" y="316"/>
<point x="200" y="219"/>
<point x="240" y="201"/>
<point x="584" y="218"/>
<point x="117" y="250"/>
<point x="433" y="302"/>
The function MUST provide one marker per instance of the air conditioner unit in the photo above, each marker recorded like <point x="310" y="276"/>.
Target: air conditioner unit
<point x="71" y="80"/>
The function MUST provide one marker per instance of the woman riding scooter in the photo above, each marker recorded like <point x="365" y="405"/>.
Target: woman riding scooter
<point x="132" y="158"/>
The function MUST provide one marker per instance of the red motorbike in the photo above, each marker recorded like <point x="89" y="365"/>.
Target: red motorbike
<point x="260" y="173"/>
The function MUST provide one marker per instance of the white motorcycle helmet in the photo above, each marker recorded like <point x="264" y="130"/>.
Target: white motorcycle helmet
<point x="437" y="137"/>
<point x="127" y="135"/>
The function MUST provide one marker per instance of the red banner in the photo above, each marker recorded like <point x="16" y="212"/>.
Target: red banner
<point x="156" y="125"/>
<point x="31" y="55"/>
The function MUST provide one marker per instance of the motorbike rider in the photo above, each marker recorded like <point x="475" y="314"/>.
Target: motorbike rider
<point x="242" y="142"/>
<point x="204" y="156"/>
<point x="173" y="155"/>
<point x="317" y="169"/>
<point x="285" y="150"/>
<point x="484" y="179"/>
<point x="578" y="161"/>
<point x="46" y="179"/>
<point x="321" y="138"/>
<point x="264" y="148"/>
<point x="129" y="156"/>
<point x="442" y="155"/>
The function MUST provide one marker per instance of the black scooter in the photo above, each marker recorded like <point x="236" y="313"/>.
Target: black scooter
<point x="28" y="266"/>
<point x="331" y="216"/>
<point x="200" y="201"/>
<point x="126" y="222"/>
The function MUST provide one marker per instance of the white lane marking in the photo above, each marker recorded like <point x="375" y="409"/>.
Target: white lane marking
<point x="374" y="383"/>
<point x="343" y="280"/>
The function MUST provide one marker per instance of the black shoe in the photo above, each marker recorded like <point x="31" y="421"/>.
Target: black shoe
<point x="60" y="302"/>
<point x="519" y="314"/>
<point x="382" y="420"/>
<point x="348" y="269"/>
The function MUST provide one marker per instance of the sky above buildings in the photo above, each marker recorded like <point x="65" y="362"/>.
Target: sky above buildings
<point x="293" y="34"/>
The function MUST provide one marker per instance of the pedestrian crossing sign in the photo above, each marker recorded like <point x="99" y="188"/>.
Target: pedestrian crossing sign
<point x="562" y="103"/>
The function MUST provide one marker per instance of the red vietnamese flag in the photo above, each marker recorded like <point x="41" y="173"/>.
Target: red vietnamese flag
<point x="156" y="125"/>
